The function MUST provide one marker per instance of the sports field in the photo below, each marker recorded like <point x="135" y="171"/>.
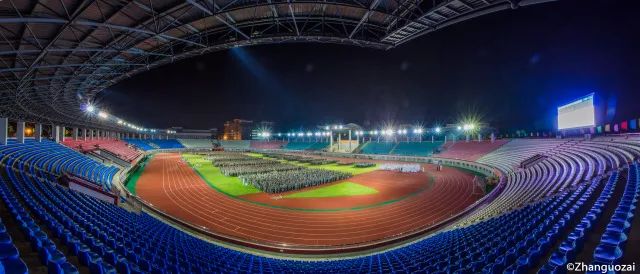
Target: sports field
<point x="233" y="185"/>
<point x="368" y="207"/>
<point x="212" y="175"/>
<point x="335" y="190"/>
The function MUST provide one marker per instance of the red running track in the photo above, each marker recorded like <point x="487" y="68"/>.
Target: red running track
<point x="175" y="188"/>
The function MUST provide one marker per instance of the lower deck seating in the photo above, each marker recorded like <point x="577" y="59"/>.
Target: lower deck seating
<point x="196" y="143"/>
<point x="416" y="148"/>
<point x="268" y="144"/>
<point x="118" y="148"/>
<point x="377" y="148"/>
<point x="236" y="145"/>
<point x="470" y="151"/>
<point x="141" y="144"/>
<point x="151" y="144"/>
<point x="57" y="159"/>
<point x="298" y="145"/>
<point x="108" y="238"/>
<point x="559" y="210"/>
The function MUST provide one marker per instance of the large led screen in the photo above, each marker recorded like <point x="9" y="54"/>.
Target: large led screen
<point x="577" y="114"/>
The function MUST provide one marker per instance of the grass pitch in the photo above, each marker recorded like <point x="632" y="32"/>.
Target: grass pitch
<point x="230" y="185"/>
<point x="337" y="190"/>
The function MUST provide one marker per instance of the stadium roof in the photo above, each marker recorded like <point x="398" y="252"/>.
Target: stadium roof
<point x="57" y="55"/>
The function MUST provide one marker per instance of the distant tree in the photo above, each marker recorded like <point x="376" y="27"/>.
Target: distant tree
<point x="493" y="180"/>
<point x="11" y="130"/>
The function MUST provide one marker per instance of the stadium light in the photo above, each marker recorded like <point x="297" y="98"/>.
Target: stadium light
<point x="327" y="128"/>
<point x="90" y="108"/>
<point x="120" y="122"/>
<point x="300" y="134"/>
<point x="340" y="126"/>
<point x="438" y="129"/>
<point x="459" y="128"/>
<point x="468" y="127"/>
<point x="103" y="115"/>
<point x="417" y="131"/>
<point x="309" y="133"/>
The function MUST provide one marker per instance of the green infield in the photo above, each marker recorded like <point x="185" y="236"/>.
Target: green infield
<point x="230" y="185"/>
<point x="337" y="190"/>
<point x="335" y="167"/>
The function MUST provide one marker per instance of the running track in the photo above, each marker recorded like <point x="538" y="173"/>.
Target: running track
<point x="173" y="187"/>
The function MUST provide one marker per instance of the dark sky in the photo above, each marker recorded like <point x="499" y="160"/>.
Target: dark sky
<point x="512" y="68"/>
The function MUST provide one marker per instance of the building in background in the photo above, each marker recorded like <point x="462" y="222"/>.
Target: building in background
<point x="237" y="129"/>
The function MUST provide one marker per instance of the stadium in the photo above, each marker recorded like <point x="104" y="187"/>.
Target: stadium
<point x="358" y="160"/>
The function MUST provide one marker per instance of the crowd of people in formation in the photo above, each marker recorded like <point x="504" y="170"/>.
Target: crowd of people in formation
<point x="281" y="181"/>
<point x="363" y="164"/>
<point x="273" y="173"/>
<point x="410" y="168"/>
<point x="254" y="169"/>
<point x="237" y="164"/>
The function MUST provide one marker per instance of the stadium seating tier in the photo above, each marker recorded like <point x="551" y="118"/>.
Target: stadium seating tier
<point x="547" y="215"/>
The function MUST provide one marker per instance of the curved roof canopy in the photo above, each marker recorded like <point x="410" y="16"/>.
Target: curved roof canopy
<point x="56" y="55"/>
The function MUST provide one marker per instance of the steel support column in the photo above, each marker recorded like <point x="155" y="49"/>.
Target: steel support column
<point x="37" y="132"/>
<point x="20" y="132"/>
<point x="4" y="130"/>
<point x="56" y="133"/>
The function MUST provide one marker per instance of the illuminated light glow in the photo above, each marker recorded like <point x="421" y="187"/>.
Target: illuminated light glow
<point x="577" y="114"/>
<point x="300" y="134"/>
<point x="459" y="128"/>
<point x="120" y="122"/>
<point x="103" y="115"/>
<point x="327" y="128"/>
<point x="90" y="108"/>
<point x="417" y="131"/>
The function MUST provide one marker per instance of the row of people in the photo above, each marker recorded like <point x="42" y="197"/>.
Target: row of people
<point x="276" y="182"/>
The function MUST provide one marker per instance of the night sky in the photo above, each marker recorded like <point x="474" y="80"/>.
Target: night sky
<point x="511" y="68"/>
